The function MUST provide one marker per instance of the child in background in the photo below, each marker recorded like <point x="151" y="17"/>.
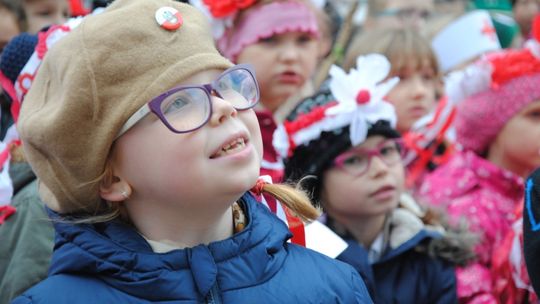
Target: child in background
<point x="281" y="39"/>
<point x="413" y="61"/>
<point x="9" y="21"/>
<point x="43" y="13"/>
<point x="414" y="97"/>
<point x="497" y="125"/>
<point x="138" y="221"/>
<point x="342" y="145"/>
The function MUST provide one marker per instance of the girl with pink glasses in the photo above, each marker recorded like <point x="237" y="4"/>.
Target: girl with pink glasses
<point x="343" y="146"/>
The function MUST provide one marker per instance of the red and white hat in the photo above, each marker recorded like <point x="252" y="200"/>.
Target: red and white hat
<point x="359" y="103"/>
<point x="491" y="91"/>
<point x="476" y="35"/>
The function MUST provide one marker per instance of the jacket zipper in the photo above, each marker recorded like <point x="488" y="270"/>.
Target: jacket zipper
<point x="213" y="296"/>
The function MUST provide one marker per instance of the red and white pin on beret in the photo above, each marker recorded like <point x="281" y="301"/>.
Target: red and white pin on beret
<point x="169" y="18"/>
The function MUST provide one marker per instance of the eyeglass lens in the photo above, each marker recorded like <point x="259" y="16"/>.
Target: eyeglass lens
<point x="357" y="162"/>
<point x="189" y="107"/>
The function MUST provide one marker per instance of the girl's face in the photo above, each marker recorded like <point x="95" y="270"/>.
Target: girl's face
<point x="414" y="96"/>
<point x="8" y="27"/>
<point x="283" y="62"/>
<point x="42" y="13"/>
<point x="374" y="192"/>
<point x="517" y="146"/>
<point x="216" y="163"/>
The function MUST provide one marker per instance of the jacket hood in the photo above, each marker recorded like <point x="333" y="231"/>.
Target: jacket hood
<point x="453" y="243"/>
<point x="118" y="255"/>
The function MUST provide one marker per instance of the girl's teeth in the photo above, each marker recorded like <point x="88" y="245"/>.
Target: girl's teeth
<point x="236" y="145"/>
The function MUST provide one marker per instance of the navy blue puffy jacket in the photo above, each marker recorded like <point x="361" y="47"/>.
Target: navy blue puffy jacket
<point x="404" y="275"/>
<point x="112" y="263"/>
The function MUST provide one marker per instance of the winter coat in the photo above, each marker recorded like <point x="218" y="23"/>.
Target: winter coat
<point x="26" y="237"/>
<point x="405" y="272"/>
<point x="472" y="188"/>
<point x="271" y="165"/>
<point x="112" y="263"/>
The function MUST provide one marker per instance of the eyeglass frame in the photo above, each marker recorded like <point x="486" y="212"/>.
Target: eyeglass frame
<point x="154" y="105"/>
<point x="339" y="161"/>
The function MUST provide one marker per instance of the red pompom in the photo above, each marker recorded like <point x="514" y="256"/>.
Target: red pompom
<point x="512" y="64"/>
<point x="78" y="8"/>
<point x="224" y="8"/>
<point x="363" y="97"/>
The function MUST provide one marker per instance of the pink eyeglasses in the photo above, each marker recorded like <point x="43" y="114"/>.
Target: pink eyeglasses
<point x="357" y="161"/>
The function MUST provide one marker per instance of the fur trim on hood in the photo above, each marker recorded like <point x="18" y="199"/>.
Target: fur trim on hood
<point x="455" y="244"/>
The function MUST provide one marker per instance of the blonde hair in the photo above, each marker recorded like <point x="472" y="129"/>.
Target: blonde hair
<point x="294" y="199"/>
<point x="105" y="211"/>
<point x="404" y="48"/>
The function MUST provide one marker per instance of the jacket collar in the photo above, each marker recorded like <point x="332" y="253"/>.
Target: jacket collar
<point x="118" y="255"/>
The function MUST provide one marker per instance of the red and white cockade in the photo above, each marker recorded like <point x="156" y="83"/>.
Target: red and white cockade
<point x="359" y="103"/>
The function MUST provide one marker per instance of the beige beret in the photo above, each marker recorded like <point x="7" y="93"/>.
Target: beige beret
<point x="93" y="80"/>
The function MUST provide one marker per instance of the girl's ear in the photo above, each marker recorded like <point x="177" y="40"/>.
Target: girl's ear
<point x="117" y="191"/>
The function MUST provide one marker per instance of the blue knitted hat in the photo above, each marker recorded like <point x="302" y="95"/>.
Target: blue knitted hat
<point x="16" y="54"/>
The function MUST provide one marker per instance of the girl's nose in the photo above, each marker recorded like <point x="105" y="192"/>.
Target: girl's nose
<point x="289" y="52"/>
<point x="377" y="167"/>
<point x="418" y="87"/>
<point x="221" y="111"/>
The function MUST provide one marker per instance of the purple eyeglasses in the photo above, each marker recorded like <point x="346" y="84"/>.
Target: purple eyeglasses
<point x="357" y="161"/>
<point x="185" y="109"/>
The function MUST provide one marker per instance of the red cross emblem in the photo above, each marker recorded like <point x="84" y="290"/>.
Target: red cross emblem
<point x="489" y="30"/>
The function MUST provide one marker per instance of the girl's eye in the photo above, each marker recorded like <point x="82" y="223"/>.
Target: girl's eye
<point x="268" y="40"/>
<point x="305" y="38"/>
<point x="44" y="13"/>
<point x="176" y="104"/>
<point x="534" y="114"/>
<point x="403" y="76"/>
<point x="388" y="150"/>
<point x="428" y="77"/>
<point x="354" y="160"/>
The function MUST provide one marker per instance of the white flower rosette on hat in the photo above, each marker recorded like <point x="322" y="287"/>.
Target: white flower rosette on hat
<point x="359" y="95"/>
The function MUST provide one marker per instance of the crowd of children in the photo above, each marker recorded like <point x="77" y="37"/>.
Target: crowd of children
<point x="186" y="151"/>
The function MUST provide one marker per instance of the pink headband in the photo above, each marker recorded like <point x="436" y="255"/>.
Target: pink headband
<point x="266" y="21"/>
